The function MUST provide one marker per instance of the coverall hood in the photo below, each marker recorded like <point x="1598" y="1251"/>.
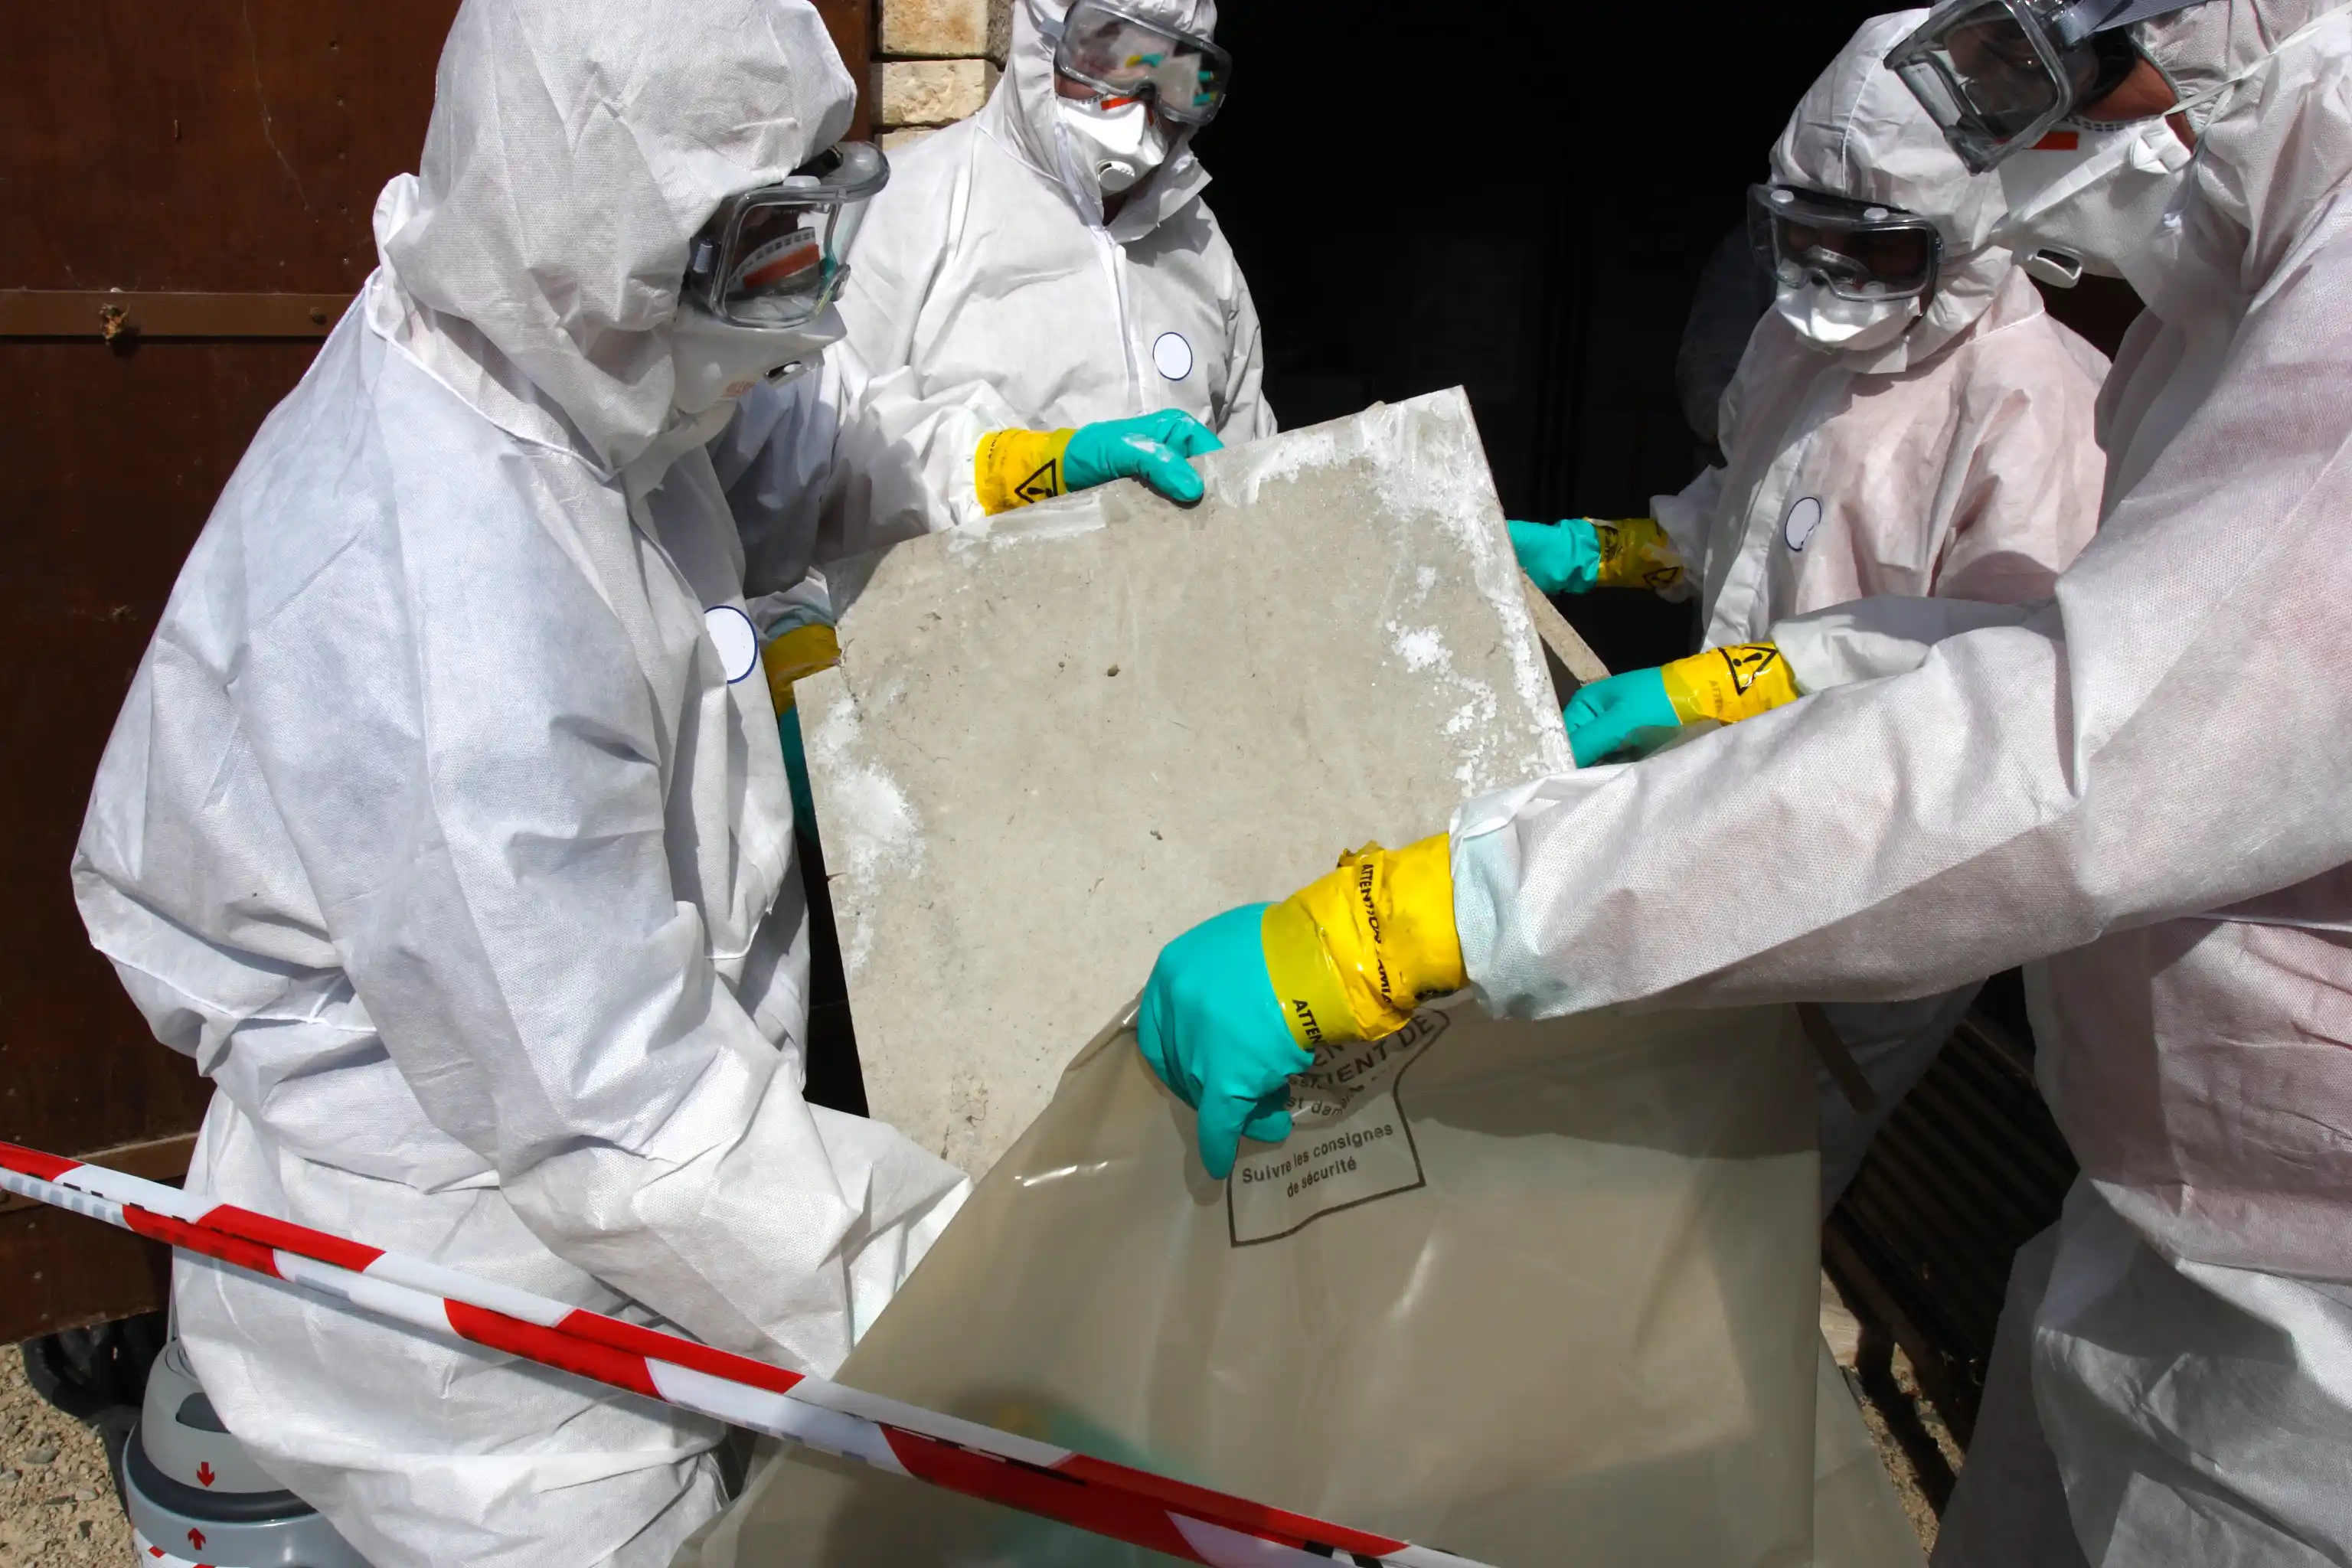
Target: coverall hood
<point x="1858" y="133"/>
<point x="2275" y="135"/>
<point x="2204" y="49"/>
<point x="575" y="148"/>
<point x="1027" y="108"/>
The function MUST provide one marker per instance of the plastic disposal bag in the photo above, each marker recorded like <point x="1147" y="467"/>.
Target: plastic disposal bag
<point x="1533" y="1293"/>
<point x="1858" y="1521"/>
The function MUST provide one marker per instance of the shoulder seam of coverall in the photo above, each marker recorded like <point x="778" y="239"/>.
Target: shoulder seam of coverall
<point x="609" y="476"/>
<point x="1025" y="161"/>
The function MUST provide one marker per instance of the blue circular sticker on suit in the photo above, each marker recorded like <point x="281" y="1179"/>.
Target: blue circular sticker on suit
<point x="1172" y="354"/>
<point x="1804" y="518"/>
<point x="737" y="640"/>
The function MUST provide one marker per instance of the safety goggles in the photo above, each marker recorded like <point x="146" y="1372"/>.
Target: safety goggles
<point x="1996" y="75"/>
<point x="1120" y="54"/>
<point x="776" y="257"/>
<point x="1862" y="250"/>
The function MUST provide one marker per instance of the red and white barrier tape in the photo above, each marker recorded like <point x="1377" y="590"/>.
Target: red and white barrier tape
<point x="1192" y="1524"/>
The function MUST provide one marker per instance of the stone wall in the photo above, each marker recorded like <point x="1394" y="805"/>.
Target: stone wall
<point x="936" y="61"/>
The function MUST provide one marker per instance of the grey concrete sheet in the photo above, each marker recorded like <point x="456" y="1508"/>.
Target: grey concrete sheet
<point x="1050" y="747"/>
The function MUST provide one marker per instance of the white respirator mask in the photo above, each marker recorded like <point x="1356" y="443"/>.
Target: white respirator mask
<point x="715" y="363"/>
<point x="1121" y="146"/>
<point x="1831" y="322"/>
<point x="2096" y="207"/>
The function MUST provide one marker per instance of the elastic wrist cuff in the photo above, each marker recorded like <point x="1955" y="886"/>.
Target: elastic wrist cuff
<point x="1016" y="467"/>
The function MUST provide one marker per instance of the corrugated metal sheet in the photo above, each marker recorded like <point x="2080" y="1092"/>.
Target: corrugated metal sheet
<point x="1968" y="1169"/>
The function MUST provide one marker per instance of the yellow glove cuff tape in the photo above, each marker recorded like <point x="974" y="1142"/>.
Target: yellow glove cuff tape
<point x="1352" y="954"/>
<point x="801" y="651"/>
<point x="1015" y="467"/>
<point x="1636" y="553"/>
<point x="1314" y="1003"/>
<point x="1728" y="684"/>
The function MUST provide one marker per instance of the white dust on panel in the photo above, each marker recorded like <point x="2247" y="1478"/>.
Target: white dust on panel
<point x="869" y="823"/>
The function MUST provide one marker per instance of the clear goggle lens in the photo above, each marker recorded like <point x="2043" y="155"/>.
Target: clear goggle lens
<point x="1122" y="55"/>
<point x="778" y="256"/>
<point x="1994" y="74"/>
<point x="1859" y="250"/>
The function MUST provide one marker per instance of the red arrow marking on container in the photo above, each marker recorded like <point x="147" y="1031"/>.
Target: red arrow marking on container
<point x="196" y="1539"/>
<point x="204" y="1473"/>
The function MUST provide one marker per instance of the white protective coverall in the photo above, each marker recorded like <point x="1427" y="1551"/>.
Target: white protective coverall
<point x="986" y="292"/>
<point x="2141" y="783"/>
<point x="1958" y="461"/>
<point x="434" y="829"/>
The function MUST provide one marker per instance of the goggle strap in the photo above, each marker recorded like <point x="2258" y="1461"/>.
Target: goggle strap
<point x="2079" y="21"/>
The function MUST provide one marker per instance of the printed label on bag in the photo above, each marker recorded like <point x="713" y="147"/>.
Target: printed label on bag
<point x="1349" y="1141"/>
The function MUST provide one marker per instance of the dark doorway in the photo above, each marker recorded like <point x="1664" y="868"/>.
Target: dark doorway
<point x="1516" y="197"/>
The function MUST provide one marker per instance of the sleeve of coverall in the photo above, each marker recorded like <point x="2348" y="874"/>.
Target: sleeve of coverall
<point x="775" y="461"/>
<point x="2028" y="499"/>
<point x="904" y="448"/>
<point x="793" y="481"/>
<point x="1688" y="517"/>
<point x="1870" y="639"/>
<point x="1248" y="417"/>
<point x="483" y="802"/>
<point x="2160" y="740"/>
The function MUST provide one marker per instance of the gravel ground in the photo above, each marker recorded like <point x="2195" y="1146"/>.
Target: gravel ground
<point x="1913" y="1409"/>
<point x="1897" y="1459"/>
<point x="57" y="1508"/>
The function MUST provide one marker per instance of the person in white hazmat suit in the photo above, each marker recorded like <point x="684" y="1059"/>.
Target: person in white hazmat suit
<point x="1042" y="302"/>
<point x="1043" y="299"/>
<point x="445" y="827"/>
<point x="2135" y="788"/>
<point x="1907" y="420"/>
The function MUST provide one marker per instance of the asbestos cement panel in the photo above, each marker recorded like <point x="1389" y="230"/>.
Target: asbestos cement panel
<point x="1051" y="746"/>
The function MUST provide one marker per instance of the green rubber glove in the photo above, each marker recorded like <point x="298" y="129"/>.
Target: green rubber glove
<point x="1561" y="557"/>
<point x="796" y="774"/>
<point x="1212" y="1029"/>
<point x="1627" y="714"/>
<point x="1151" y="447"/>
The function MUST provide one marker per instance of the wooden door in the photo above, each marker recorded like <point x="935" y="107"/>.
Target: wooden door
<point x="216" y="165"/>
